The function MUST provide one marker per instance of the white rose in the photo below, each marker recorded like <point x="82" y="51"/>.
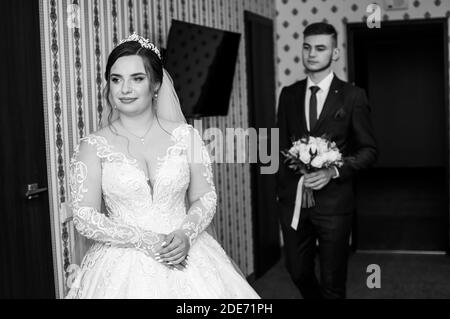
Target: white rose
<point x="304" y="149"/>
<point x="323" y="147"/>
<point x="313" y="140"/>
<point x="305" y="157"/>
<point x="332" y="156"/>
<point x="318" y="161"/>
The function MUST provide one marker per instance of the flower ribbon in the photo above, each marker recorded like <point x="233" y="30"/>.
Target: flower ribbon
<point x="298" y="204"/>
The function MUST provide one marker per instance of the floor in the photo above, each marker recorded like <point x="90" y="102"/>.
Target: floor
<point x="402" y="209"/>
<point x="402" y="277"/>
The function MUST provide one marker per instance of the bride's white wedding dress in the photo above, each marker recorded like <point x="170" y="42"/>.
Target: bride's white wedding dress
<point x="137" y="212"/>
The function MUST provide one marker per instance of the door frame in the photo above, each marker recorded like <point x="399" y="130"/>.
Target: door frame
<point x="264" y="257"/>
<point x="60" y="232"/>
<point x="351" y="28"/>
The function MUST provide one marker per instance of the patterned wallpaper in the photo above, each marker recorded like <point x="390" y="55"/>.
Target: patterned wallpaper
<point x="73" y="64"/>
<point x="293" y="15"/>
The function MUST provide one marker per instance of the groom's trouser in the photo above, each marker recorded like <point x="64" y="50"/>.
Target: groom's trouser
<point x="333" y="234"/>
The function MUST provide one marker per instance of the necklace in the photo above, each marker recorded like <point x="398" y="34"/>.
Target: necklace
<point x="141" y="138"/>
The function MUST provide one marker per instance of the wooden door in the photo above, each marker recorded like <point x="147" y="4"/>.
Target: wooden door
<point x="26" y="266"/>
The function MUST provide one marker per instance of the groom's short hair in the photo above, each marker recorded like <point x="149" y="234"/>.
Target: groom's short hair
<point x="320" y="28"/>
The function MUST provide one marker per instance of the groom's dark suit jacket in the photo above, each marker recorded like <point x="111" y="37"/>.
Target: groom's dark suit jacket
<point x="345" y="118"/>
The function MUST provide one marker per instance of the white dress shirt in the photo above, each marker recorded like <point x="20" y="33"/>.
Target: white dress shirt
<point x="321" y="95"/>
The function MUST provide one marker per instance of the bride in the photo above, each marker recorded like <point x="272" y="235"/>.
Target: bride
<point x="153" y="173"/>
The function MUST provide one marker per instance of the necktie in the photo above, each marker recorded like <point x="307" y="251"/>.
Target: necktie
<point x="313" y="107"/>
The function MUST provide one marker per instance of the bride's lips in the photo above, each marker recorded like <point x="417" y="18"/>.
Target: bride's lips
<point x="127" y="100"/>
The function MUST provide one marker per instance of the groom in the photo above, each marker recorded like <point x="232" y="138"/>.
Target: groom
<point x="322" y="104"/>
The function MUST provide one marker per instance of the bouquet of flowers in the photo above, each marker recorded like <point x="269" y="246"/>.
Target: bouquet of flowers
<point x="310" y="154"/>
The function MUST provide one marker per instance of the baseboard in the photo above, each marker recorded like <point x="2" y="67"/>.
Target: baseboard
<point x="404" y="252"/>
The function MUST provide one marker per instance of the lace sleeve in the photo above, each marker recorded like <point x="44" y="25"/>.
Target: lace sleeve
<point x="201" y="193"/>
<point x="85" y="190"/>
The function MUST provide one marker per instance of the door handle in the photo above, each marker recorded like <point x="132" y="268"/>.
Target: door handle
<point x="33" y="191"/>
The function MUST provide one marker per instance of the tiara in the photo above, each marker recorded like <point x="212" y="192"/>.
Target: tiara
<point x="145" y="43"/>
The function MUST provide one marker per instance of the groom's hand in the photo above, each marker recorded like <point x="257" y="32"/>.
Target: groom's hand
<point x="319" y="179"/>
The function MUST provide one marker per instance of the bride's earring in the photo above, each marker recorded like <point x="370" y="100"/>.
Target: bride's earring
<point x="155" y="96"/>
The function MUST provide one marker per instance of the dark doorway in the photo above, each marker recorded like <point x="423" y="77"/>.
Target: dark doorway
<point x="259" y="42"/>
<point x="403" y="202"/>
<point x="26" y="265"/>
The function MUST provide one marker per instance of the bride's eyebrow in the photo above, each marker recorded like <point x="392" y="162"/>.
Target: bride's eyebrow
<point x="137" y="74"/>
<point x="134" y="74"/>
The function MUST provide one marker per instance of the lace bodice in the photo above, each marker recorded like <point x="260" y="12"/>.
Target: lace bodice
<point x="137" y="211"/>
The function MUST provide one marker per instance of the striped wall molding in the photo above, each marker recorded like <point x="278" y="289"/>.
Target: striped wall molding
<point x="74" y="52"/>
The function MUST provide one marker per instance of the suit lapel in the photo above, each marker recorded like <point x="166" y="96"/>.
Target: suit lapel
<point x="330" y="102"/>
